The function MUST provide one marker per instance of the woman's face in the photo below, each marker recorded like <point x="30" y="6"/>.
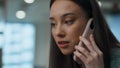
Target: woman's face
<point x="68" y="21"/>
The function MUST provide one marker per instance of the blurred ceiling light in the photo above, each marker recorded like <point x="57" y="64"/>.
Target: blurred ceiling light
<point x="100" y="4"/>
<point x="29" y="1"/>
<point x="20" y="14"/>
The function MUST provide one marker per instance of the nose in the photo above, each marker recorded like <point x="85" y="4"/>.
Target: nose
<point x="60" y="32"/>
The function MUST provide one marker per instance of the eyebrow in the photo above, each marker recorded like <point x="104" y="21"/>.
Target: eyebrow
<point x="64" y="15"/>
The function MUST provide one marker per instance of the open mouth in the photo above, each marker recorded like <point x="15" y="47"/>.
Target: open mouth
<point x="63" y="44"/>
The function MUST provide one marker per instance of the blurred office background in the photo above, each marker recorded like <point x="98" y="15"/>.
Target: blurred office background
<point x="25" y="37"/>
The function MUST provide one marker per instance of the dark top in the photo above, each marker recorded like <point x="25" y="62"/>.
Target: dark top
<point x="115" y="58"/>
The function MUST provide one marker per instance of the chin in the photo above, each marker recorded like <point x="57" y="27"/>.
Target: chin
<point x="67" y="52"/>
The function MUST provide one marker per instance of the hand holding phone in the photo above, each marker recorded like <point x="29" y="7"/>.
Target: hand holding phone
<point x="87" y="51"/>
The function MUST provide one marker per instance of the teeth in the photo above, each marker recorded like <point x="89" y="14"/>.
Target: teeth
<point x="62" y="42"/>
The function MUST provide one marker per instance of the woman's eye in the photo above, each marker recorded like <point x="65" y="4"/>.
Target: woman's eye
<point x="53" y="24"/>
<point x="69" y="22"/>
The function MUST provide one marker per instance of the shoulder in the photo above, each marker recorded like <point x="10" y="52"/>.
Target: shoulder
<point x="115" y="57"/>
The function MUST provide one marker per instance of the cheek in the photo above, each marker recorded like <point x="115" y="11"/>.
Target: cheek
<point x="53" y="33"/>
<point x="74" y="34"/>
<point x="76" y="31"/>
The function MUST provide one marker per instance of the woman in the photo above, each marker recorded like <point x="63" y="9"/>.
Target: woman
<point x="68" y="21"/>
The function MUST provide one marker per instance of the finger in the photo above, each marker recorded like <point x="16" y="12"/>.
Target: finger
<point x="74" y="57"/>
<point x="87" y="44"/>
<point x="83" y="51"/>
<point x="80" y="57"/>
<point x="77" y="59"/>
<point x="94" y="44"/>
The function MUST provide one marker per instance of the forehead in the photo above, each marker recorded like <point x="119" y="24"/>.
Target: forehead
<point x="65" y="6"/>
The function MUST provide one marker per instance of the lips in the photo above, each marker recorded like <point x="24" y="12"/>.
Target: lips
<point x="63" y="44"/>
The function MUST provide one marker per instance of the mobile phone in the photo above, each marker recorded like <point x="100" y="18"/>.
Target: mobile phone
<point x="88" y="30"/>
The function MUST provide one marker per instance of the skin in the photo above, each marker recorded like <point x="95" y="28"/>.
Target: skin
<point x="68" y="21"/>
